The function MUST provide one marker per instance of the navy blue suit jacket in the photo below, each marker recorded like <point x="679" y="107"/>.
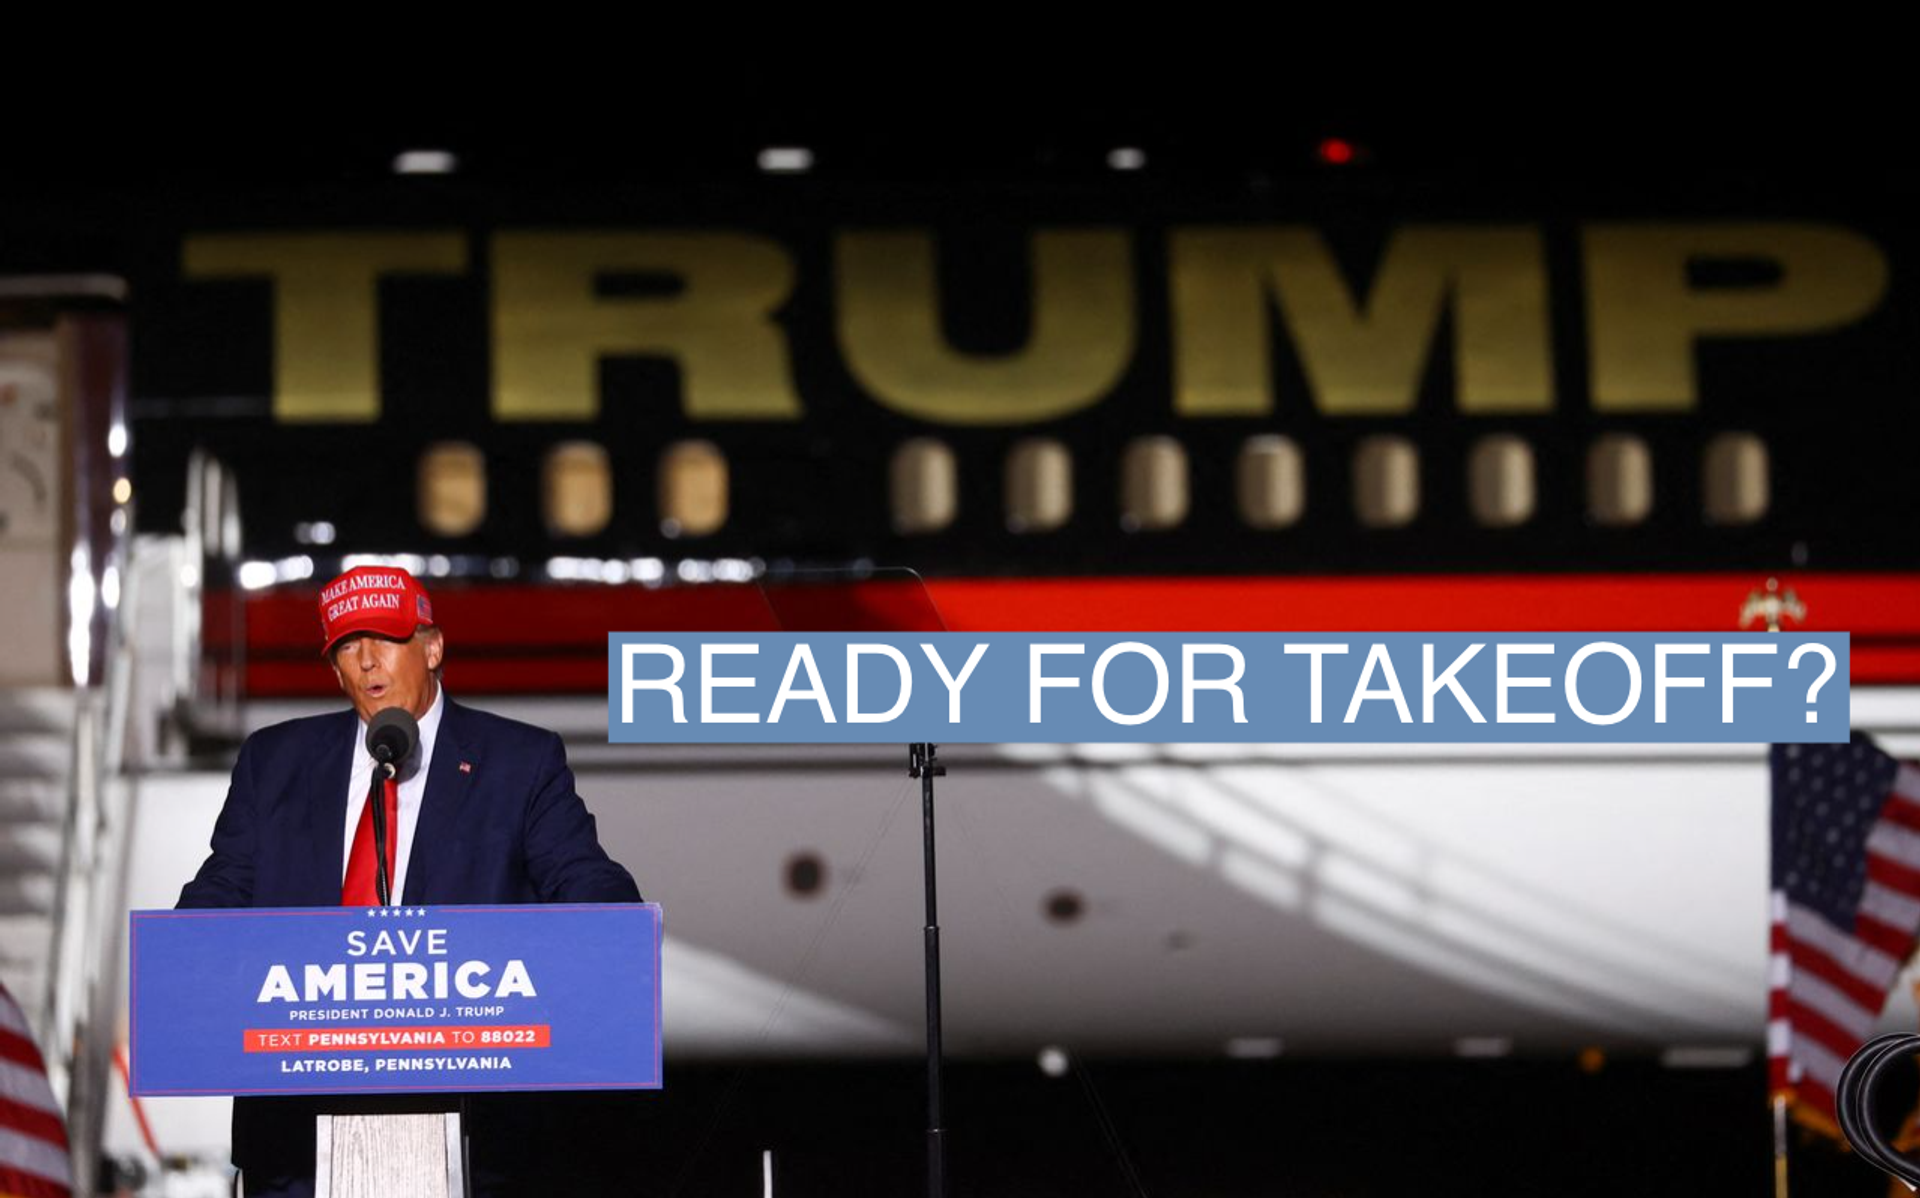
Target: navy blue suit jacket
<point x="500" y="822"/>
<point x="506" y="828"/>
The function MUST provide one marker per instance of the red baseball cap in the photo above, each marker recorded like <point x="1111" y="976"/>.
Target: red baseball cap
<point x="381" y="599"/>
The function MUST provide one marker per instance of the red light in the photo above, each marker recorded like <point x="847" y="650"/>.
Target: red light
<point x="1336" y="152"/>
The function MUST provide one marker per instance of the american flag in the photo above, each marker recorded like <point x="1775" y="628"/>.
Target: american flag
<point x="33" y="1139"/>
<point x="1846" y="908"/>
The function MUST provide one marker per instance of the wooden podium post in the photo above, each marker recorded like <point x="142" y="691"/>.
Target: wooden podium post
<point x="411" y="1155"/>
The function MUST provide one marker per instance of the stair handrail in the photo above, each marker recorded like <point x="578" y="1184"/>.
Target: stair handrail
<point x="83" y="967"/>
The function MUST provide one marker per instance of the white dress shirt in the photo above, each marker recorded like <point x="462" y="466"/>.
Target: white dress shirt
<point x="413" y="788"/>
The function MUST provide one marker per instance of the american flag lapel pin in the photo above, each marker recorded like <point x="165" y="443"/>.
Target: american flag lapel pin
<point x="466" y="767"/>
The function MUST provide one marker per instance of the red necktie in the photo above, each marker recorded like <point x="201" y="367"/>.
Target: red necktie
<point x="359" y="888"/>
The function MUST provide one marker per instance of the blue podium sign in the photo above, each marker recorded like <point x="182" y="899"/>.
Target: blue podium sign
<point x="386" y="1000"/>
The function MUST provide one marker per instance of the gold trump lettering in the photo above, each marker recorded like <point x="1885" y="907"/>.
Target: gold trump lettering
<point x="1361" y="357"/>
<point x="326" y="358"/>
<point x="551" y="327"/>
<point x="1644" y="316"/>
<point x="1079" y="344"/>
<point x="1364" y="346"/>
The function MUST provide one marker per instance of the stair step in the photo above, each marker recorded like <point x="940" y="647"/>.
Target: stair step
<point x="24" y="978"/>
<point x="24" y="937"/>
<point x="36" y="709"/>
<point x="26" y="894"/>
<point x="36" y="754"/>
<point x="29" y="848"/>
<point x="32" y="800"/>
<point x="26" y="981"/>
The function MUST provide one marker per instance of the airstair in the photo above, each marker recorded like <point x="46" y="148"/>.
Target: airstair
<point x="36" y="767"/>
<point x="66" y="532"/>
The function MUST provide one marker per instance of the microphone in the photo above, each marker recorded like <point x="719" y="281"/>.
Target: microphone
<point x="391" y="736"/>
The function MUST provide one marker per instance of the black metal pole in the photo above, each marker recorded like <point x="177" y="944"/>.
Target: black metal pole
<point x="923" y="763"/>
<point x="377" y="795"/>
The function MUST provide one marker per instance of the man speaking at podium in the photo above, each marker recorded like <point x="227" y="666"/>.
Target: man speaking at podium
<point x="483" y="811"/>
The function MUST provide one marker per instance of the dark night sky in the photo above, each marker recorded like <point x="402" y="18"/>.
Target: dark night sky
<point x="903" y="111"/>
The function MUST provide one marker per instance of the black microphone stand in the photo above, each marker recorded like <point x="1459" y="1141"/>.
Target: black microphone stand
<point x="923" y="762"/>
<point x="377" y="795"/>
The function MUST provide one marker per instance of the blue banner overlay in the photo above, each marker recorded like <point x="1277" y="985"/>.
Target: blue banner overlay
<point x="1005" y="687"/>
<point x="387" y="1000"/>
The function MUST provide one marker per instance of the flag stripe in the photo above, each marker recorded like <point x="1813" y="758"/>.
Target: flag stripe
<point x="1889" y="872"/>
<point x="1892" y="941"/>
<point x="1810" y="959"/>
<point x="1890" y="905"/>
<point x="35" y="1156"/>
<point x="20" y="1051"/>
<point x="33" y="1140"/>
<point x="1821" y="1064"/>
<point x="1902" y="811"/>
<point x="26" y="1086"/>
<point x="1819" y="1097"/>
<point x="1869" y="964"/>
<point x="31" y="1121"/>
<point x="1891" y="840"/>
<point x="16" y="1184"/>
<point x="1906" y="781"/>
<point x="1779" y="1037"/>
<point x="1810" y="1026"/>
<point x="1811" y="993"/>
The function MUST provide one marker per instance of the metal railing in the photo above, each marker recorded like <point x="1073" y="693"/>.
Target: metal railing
<point x="79" y="1007"/>
<point x="84" y="975"/>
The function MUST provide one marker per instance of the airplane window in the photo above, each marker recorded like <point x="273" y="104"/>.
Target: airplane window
<point x="1271" y="482"/>
<point x="576" y="489"/>
<point x="1386" y="481"/>
<point x="925" y="486"/>
<point x="693" y="489"/>
<point x="1039" y="485"/>
<point x="1064" y="906"/>
<point x="1736" y="478"/>
<point x="1500" y="481"/>
<point x="452" y="495"/>
<point x="1619" y="480"/>
<point x="806" y="875"/>
<point x="1153" y="484"/>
